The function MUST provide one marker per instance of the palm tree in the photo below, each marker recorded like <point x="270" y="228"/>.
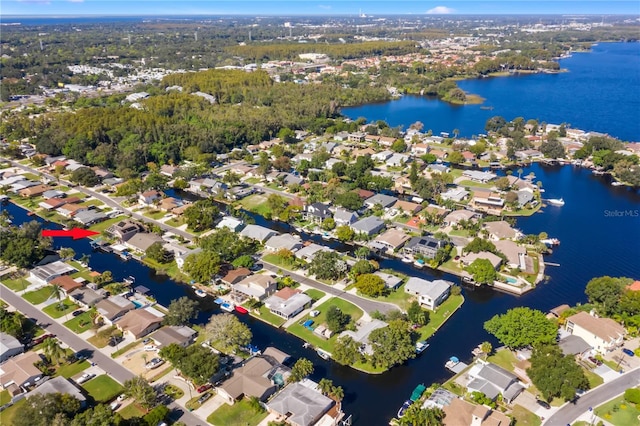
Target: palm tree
<point x="486" y="347"/>
<point x="325" y="386"/>
<point x="53" y="350"/>
<point x="520" y="173"/>
<point x="337" y="393"/>
<point x="56" y="291"/>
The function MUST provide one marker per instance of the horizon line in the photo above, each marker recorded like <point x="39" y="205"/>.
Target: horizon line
<point x="63" y="15"/>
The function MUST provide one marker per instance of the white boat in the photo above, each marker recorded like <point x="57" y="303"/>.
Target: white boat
<point x="406" y="260"/>
<point x="551" y="241"/>
<point x="453" y="361"/>
<point x="323" y="354"/>
<point x="559" y="202"/>
<point x="616" y="183"/>
<point x="421" y="346"/>
<point x="227" y="307"/>
<point x="201" y="293"/>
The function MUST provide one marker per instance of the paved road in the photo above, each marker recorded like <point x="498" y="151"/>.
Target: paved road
<point x="569" y="412"/>
<point x="365" y="304"/>
<point x="108" y="201"/>
<point x="111" y="367"/>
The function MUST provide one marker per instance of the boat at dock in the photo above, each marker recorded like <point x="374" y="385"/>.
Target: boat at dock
<point x="421" y="346"/>
<point x="404" y="408"/>
<point x="551" y="241"/>
<point x="241" y="310"/>
<point x="129" y="280"/>
<point x="199" y="292"/>
<point x="616" y="183"/>
<point x="323" y="354"/>
<point x="559" y="202"/>
<point x="453" y="361"/>
<point x="218" y="301"/>
<point x="417" y="392"/>
<point x="226" y="306"/>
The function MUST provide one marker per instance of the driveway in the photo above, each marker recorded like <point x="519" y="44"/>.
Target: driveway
<point x="606" y="373"/>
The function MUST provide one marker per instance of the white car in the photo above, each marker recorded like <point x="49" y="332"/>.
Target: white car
<point x="121" y="397"/>
<point x="154" y="363"/>
<point x="114" y="405"/>
<point x="149" y="348"/>
<point x="314" y="314"/>
<point x="85" y="378"/>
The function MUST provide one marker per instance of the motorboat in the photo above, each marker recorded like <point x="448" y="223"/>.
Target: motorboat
<point x="559" y="202"/>
<point x="551" y="241"/>
<point x="226" y="306"/>
<point x="421" y="346"/>
<point x="241" y="310"/>
<point x="616" y="183"/>
<point x="323" y="354"/>
<point x="201" y="293"/>
<point x="404" y="408"/>
<point x="453" y="361"/>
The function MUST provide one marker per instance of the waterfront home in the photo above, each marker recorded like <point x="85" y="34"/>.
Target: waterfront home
<point x="488" y="201"/>
<point x="382" y="156"/>
<point x="397" y="160"/>
<point x="419" y="149"/>
<point x="89" y="217"/>
<point x="316" y="212"/>
<point x="525" y="196"/>
<point x="429" y="293"/>
<point x="44" y="274"/>
<point x="67" y="284"/>
<point x="20" y="371"/>
<point x="516" y="255"/>
<point x="602" y="334"/>
<point x="260" y="377"/>
<point x="369" y="226"/>
<point x="70" y="210"/>
<point x="486" y="255"/>
<point x="52" y="203"/>
<point x="124" y="229"/>
<point x="478" y="176"/>
<point x="235" y="276"/>
<point x="462" y="413"/>
<point x="301" y="403"/>
<point x="86" y="297"/>
<point x="113" y="307"/>
<point x="59" y="385"/>
<point x="34" y="191"/>
<point x="231" y="223"/>
<point x="148" y="198"/>
<point x="283" y="241"/>
<point x="361" y="335"/>
<point x="141" y="241"/>
<point x="172" y="334"/>
<point x="257" y="232"/>
<point x="309" y="251"/>
<point x="9" y="347"/>
<point x="407" y="207"/>
<point x="456" y="194"/>
<point x="288" y="302"/>
<point x="22" y="184"/>
<point x="457" y="216"/>
<point x="180" y="259"/>
<point x="169" y="203"/>
<point x="574" y="345"/>
<point x="500" y="230"/>
<point x="138" y="323"/>
<point x="255" y="286"/>
<point x="528" y="154"/>
<point x="493" y="380"/>
<point x="425" y="246"/>
<point x="392" y="282"/>
<point x="344" y="217"/>
<point x="392" y="239"/>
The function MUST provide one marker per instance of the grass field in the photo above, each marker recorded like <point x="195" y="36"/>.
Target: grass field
<point x="618" y="412"/>
<point x="101" y="339"/>
<point x="38" y="296"/>
<point x="269" y="317"/>
<point x="315" y="294"/>
<point x="16" y="284"/>
<point x="155" y="214"/>
<point x="7" y="416"/>
<point x="239" y="414"/>
<point x="256" y="203"/>
<point x="102" y="226"/>
<point x="103" y="388"/>
<point x="81" y="323"/>
<point x="436" y="319"/>
<point x="70" y="370"/>
<point x="504" y="358"/>
<point x="525" y="417"/>
<point x="131" y="411"/>
<point x="53" y="311"/>
<point x="4" y="397"/>
<point x="594" y="379"/>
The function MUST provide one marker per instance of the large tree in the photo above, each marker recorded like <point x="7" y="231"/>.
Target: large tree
<point x="555" y="374"/>
<point x="482" y="271"/>
<point x="606" y="292"/>
<point x="227" y="244"/>
<point x="522" y="327"/>
<point x="370" y="285"/>
<point x="392" y="344"/>
<point x="141" y="391"/>
<point x="157" y="252"/>
<point x="346" y="351"/>
<point x="181" y="311"/>
<point x="416" y="415"/>
<point x="201" y="215"/>
<point x="195" y="362"/>
<point x="202" y="266"/>
<point x="336" y="319"/>
<point x="226" y="332"/>
<point x="328" y="265"/>
<point x="100" y="415"/>
<point x="46" y="410"/>
<point x="301" y="369"/>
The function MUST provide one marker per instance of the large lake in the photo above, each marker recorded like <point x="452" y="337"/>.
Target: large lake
<point x="600" y="92"/>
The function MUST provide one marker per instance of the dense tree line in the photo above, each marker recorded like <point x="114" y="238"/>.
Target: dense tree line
<point x="23" y="246"/>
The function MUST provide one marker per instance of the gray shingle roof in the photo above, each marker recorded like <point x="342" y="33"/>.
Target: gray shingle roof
<point x="306" y="405"/>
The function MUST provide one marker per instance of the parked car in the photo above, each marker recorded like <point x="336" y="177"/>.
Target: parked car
<point x="314" y="313"/>
<point x="628" y="352"/>
<point x="42" y="338"/>
<point x="121" y="397"/>
<point x="543" y="404"/>
<point x="203" y="398"/>
<point x="150" y="348"/>
<point x="85" y="378"/>
<point x="595" y="361"/>
<point x="114" y="405"/>
<point x="78" y="312"/>
<point x="154" y="363"/>
<point x="114" y="340"/>
<point x="204" y="387"/>
<point x="146" y="340"/>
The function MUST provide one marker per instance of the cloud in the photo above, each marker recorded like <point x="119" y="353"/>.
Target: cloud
<point x="75" y="1"/>
<point x="440" y="10"/>
<point x="324" y="6"/>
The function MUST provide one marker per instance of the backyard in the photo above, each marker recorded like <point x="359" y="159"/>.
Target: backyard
<point x="81" y="323"/>
<point x="38" y="296"/>
<point x="103" y="388"/>
<point x="619" y="412"/>
<point x="242" y="413"/>
<point x="64" y="307"/>
<point x="256" y="203"/>
<point x="266" y="315"/>
<point x="436" y="319"/>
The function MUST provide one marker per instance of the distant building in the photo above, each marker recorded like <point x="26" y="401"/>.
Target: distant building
<point x="180" y="335"/>
<point x="361" y="335"/>
<point x="493" y="380"/>
<point x="425" y="246"/>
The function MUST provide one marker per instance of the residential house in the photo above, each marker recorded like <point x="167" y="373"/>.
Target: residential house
<point x="148" y="198"/>
<point x="89" y="217"/>
<point x="365" y="194"/>
<point x="231" y="223"/>
<point x="382" y="156"/>
<point x="390" y="281"/>
<point x="234" y="276"/>
<point x="478" y="176"/>
<point x="369" y="226"/>
<point x="169" y="203"/>
<point x="462" y="413"/>
<point x="86" y="297"/>
<point x="143" y="240"/>
<point x="102" y="173"/>
<point x="52" y="203"/>
<point x="525" y="196"/>
<point x="283" y="241"/>
<point x="258" y="377"/>
<point x="257" y="232"/>
<point x="34" y="191"/>
<point x="20" y="370"/>
<point x="59" y="385"/>
<point x="457" y="194"/>
<point x="429" y="293"/>
<point x="53" y="193"/>
<point x="168" y="170"/>
<point x="301" y="405"/>
<point x="602" y="334"/>
<point x="361" y="335"/>
<point x="67" y="284"/>
<point x="392" y="239"/>
<point x="138" y="323"/>
<point x="426" y="246"/>
<point x="9" y="347"/>
<point x="574" y="345"/>
<point x="356" y="137"/>
<point x="288" y="302"/>
<point x="456" y="216"/>
<point x="46" y="273"/>
<point x="70" y="210"/>
<point x="124" y="230"/>
<point x="171" y="334"/>
<point x="437" y="168"/>
<point x="486" y="255"/>
<point x="493" y="380"/>
<point x="309" y="251"/>
<point x="500" y="230"/>
<point x="528" y="154"/>
<point x="419" y="149"/>
<point x="180" y="259"/>
<point x="515" y="254"/>
<point x="316" y="212"/>
<point x="344" y="217"/>
<point x="114" y="307"/>
<point x="255" y="286"/>
<point x="385" y="201"/>
<point x="634" y="286"/>
<point x="407" y="207"/>
<point x="386" y="141"/>
<point x="397" y="160"/>
<point x="364" y="151"/>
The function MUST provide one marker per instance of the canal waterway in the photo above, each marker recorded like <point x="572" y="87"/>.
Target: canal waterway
<point x="600" y="92"/>
<point x="599" y="229"/>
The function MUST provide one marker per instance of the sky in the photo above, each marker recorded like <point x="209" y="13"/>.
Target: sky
<point x="312" y="7"/>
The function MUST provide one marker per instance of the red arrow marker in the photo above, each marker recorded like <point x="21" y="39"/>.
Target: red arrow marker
<point x="75" y="233"/>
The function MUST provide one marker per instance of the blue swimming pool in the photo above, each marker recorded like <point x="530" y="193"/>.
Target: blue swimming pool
<point x="137" y="304"/>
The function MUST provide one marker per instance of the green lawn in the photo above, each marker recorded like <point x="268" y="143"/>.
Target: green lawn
<point x="131" y="411"/>
<point x="459" y="233"/>
<point x="504" y="358"/>
<point x="4" y="397"/>
<point x="155" y="214"/>
<point x="398" y="297"/>
<point x="618" y="412"/>
<point x="92" y="202"/>
<point x="594" y="379"/>
<point x="38" y="296"/>
<point x="102" y="226"/>
<point x="278" y="261"/>
<point x="103" y="388"/>
<point x="472" y="184"/>
<point x="239" y="414"/>
<point x="101" y="339"/>
<point x="54" y="312"/>
<point x="17" y="284"/>
<point x="81" y="323"/>
<point x="525" y="417"/>
<point x="256" y="203"/>
<point x="436" y="319"/>
<point x="124" y="349"/>
<point x="252" y="180"/>
<point x="175" y="222"/>
<point x="70" y="370"/>
<point x="269" y="317"/>
<point x="315" y="294"/>
<point x="6" y="416"/>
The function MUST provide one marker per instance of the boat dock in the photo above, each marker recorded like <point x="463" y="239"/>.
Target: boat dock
<point x="455" y="365"/>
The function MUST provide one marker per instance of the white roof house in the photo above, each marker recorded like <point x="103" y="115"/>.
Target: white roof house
<point x="9" y="346"/>
<point x="429" y="293"/>
<point x="257" y="232"/>
<point x="283" y="241"/>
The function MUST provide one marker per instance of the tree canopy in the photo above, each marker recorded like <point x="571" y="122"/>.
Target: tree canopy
<point x="181" y="311"/>
<point x="555" y="374"/>
<point x="392" y="345"/>
<point x="522" y="327"/>
<point x="195" y="361"/>
<point x="226" y="332"/>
